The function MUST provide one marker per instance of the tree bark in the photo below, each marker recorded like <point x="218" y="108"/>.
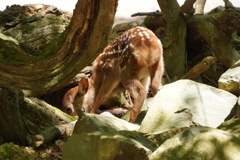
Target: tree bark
<point x="174" y="41"/>
<point x="214" y="33"/>
<point x="83" y="40"/>
<point x="24" y="119"/>
<point x="216" y="30"/>
<point x="12" y="126"/>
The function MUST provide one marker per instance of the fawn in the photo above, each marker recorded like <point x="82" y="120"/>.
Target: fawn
<point x="133" y="62"/>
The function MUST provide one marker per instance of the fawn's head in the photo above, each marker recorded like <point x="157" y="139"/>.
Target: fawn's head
<point x="73" y="99"/>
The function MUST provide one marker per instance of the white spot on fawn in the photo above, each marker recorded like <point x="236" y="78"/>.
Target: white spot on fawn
<point x="146" y="35"/>
<point x="131" y="45"/>
<point x="140" y="34"/>
<point x="132" y="36"/>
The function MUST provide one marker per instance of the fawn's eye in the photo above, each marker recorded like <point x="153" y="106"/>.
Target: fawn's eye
<point x="69" y="110"/>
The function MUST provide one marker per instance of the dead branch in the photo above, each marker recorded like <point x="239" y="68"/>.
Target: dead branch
<point x="187" y="7"/>
<point x="228" y="4"/>
<point x="53" y="133"/>
<point x="156" y="13"/>
<point x="199" y="6"/>
<point x="199" y="68"/>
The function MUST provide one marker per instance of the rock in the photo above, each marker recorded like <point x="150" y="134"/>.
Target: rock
<point x="122" y="145"/>
<point x="106" y="137"/>
<point x="231" y="126"/>
<point x="199" y="143"/>
<point x="143" y="113"/>
<point x="230" y="80"/>
<point x="104" y="122"/>
<point x="160" y="137"/>
<point x="185" y="103"/>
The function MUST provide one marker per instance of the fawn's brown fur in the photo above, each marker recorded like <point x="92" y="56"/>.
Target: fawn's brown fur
<point x="133" y="61"/>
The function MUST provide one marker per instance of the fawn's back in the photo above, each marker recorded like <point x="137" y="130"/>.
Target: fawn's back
<point x="133" y="61"/>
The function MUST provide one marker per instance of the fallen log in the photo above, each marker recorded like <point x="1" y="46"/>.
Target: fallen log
<point x="53" y="133"/>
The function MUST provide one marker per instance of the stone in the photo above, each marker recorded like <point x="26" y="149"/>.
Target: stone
<point x="104" y="122"/>
<point x="231" y="126"/>
<point x="186" y="103"/>
<point x="142" y="114"/>
<point x="160" y="137"/>
<point x="121" y="145"/>
<point x="230" y="80"/>
<point x="199" y="143"/>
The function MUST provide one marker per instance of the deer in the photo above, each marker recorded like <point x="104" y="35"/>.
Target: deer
<point x="132" y="62"/>
<point x="69" y="105"/>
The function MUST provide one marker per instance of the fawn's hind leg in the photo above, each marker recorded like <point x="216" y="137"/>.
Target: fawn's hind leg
<point x="156" y="73"/>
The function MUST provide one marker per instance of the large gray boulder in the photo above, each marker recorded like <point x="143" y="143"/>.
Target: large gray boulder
<point x="231" y="126"/>
<point x="187" y="103"/>
<point x="105" y="122"/>
<point x="230" y="80"/>
<point x="106" y="137"/>
<point x="121" y="145"/>
<point x="199" y="143"/>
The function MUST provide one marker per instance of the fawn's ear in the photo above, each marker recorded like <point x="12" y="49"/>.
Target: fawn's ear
<point x="83" y="85"/>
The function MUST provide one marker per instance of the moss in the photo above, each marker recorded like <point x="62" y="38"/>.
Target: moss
<point x="72" y="118"/>
<point x="27" y="49"/>
<point x="10" y="14"/>
<point x="34" y="111"/>
<point x="11" y="53"/>
<point x="52" y="48"/>
<point x="153" y="22"/>
<point x="12" y="151"/>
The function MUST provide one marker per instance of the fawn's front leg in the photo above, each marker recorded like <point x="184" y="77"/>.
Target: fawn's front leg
<point x="138" y="94"/>
<point x="105" y="91"/>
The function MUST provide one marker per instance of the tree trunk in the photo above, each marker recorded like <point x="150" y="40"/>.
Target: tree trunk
<point x="213" y="34"/>
<point x="216" y="30"/>
<point x="12" y="126"/>
<point x="24" y="119"/>
<point x="83" y="40"/>
<point x="174" y="41"/>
